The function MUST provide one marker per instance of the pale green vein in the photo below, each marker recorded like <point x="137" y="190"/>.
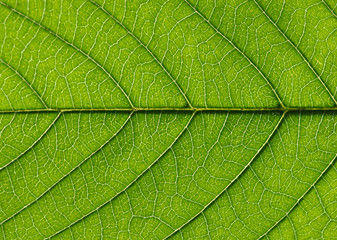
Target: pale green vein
<point x="69" y="110"/>
<point x="72" y="170"/>
<point x="132" y="182"/>
<point x="34" y="143"/>
<point x="147" y="49"/>
<point x="192" y="110"/>
<point x="329" y="8"/>
<point x="26" y="82"/>
<point x="71" y="45"/>
<point x="299" y="199"/>
<point x="237" y="49"/>
<point x="298" y="51"/>
<point x="233" y="180"/>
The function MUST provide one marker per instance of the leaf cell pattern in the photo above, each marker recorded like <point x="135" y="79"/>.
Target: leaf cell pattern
<point x="167" y="119"/>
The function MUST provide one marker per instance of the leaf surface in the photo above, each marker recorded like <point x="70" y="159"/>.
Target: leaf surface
<point x="168" y="119"/>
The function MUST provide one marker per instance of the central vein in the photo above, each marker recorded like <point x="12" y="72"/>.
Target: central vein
<point x="136" y="109"/>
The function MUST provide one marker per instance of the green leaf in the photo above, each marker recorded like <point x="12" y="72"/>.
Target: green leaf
<point x="152" y="119"/>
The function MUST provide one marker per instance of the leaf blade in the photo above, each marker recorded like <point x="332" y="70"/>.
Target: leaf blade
<point x="167" y="119"/>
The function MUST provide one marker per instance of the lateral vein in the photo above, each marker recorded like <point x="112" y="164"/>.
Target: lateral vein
<point x="242" y="54"/>
<point x="299" y="199"/>
<point x="147" y="49"/>
<point x="298" y="51"/>
<point x="72" y="170"/>
<point x="34" y="143"/>
<point x="131" y="183"/>
<point x="71" y="45"/>
<point x="234" y="180"/>
<point x="26" y="82"/>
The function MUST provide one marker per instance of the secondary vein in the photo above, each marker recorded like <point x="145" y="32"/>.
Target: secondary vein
<point x="72" y="170"/>
<point x="329" y="8"/>
<point x="147" y="49"/>
<point x="26" y="82"/>
<point x="34" y="143"/>
<point x="71" y="45"/>
<point x="132" y="182"/>
<point x="299" y="200"/>
<point x="241" y="53"/>
<point x="234" y="180"/>
<point x="298" y="51"/>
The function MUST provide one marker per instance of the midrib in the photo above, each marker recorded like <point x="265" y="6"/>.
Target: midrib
<point x="286" y="109"/>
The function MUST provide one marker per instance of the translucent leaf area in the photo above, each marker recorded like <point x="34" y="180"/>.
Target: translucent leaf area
<point x="175" y="119"/>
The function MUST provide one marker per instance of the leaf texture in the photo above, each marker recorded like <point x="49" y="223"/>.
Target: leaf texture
<point x="189" y="119"/>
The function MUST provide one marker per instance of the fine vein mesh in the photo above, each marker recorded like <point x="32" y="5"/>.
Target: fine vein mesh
<point x="72" y="138"/>
<point x="300" y="151"/>
<point x="316" y="215"/>
<point x="82" y="156"/>
<point x="315" y="39"/>
<point x="218" y="77"/>
<point x="88" y="74"/>
<point x="19" y="132"/>
<point x="186" y="178"/>
<point x="16" y="92"/>
<point x="142" y="140"/>
<point x="287" y="54"/>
